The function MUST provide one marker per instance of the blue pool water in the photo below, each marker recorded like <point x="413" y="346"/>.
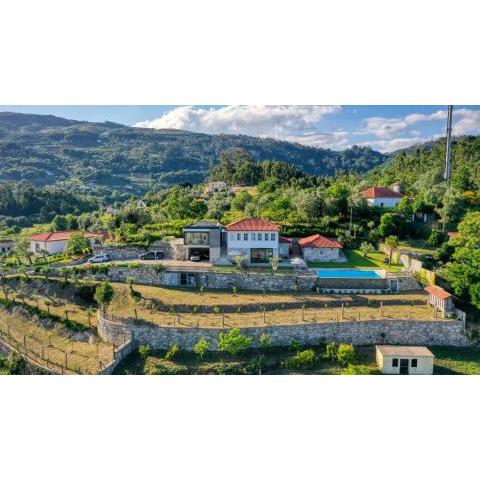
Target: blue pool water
<point x="346" y="273"/>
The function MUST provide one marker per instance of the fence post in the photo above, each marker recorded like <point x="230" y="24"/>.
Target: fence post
<point x="381" y="309"/>
<point x="343" y="307"/>
<point x="66" y="360"/>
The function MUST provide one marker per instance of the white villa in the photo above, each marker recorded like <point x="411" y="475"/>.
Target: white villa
<point x="56" y="242"/>
<point x="256" y="239"/>
<point x="383" y="197"/>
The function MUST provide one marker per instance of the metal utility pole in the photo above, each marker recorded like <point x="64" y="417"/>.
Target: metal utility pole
<point x="448" y="157"/>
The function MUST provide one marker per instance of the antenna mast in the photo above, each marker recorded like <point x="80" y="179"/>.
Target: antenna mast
<point x="448" y="157"/>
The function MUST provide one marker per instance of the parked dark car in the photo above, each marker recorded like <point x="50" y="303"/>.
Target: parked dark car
<point x="152" y="256"/>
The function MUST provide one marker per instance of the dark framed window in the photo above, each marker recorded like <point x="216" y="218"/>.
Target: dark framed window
<point x="245" y="236"/>
<point x="196" y="238"/>
<point x="272" y="236"/>
<point x="261" y="255"/>
<point x="266" y="236"/>
<point x="394" y="362"/>
<point x="414" y="362"/>
<point x="238" y="236"/>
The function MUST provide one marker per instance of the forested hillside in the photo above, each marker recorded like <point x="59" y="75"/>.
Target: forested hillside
<point x="107" y="157"/>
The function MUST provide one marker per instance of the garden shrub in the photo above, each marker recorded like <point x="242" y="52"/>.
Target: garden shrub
<point x="144" y="351"/>
<point x="173" y="351"/>
<point x="302" y="359"/>
<point x="346" y="354"/>
<point x="359" y="370"/>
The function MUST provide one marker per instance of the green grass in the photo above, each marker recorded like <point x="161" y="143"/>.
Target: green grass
<point x="456" y="361"/>
<point x="246" y="363"/>
<point x="416" y="245"/>
<point x="448" y="361"/>
<point x="355" y="259"/>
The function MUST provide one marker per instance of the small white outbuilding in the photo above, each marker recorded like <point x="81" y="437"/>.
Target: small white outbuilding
<point x="404" y="360"/>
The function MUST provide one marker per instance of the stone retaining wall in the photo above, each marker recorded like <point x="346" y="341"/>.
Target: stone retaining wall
<point x="117" y="252"/>
<point x="400" y="332"/>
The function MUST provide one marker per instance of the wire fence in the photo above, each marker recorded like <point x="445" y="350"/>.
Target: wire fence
<point x="53" y="357"/>
<point x="264" y="317"/>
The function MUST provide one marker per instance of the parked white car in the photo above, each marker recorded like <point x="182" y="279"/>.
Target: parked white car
<point x="99" y="259"/>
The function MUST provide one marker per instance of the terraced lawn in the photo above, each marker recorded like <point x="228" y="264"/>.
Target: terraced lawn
<point x="355" y="259"/>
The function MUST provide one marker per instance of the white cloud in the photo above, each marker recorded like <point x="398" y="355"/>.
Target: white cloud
<point x="279" y="121"/>
<point x="383" y="127"/>
<point x="389" y="145"/>
<point x="466" y="121"/>
<point x="337" y="140"/>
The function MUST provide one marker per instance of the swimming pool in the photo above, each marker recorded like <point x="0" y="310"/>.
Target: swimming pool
<point x="346" y="273"/>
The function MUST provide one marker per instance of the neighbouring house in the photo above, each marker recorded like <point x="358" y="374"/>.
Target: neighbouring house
<point x="141" y="203"/>
<point x="204" y="239"/>
<point x="320" y="249"/>
<point x="257" y="240"/>
<point x="56" y="242"/>
<point x="214" y="187"/>
<point x="404" y="360"/>
<point x="452" y="234"/>
<point x="284" y="246"/>
<point x="5" y="246"/>
<point x="111" y="210"/>
<point x="383" y="197"/>
<point x="440" y="298"/>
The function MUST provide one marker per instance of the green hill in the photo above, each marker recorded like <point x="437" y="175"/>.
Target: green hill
<point x="100" y="158"/>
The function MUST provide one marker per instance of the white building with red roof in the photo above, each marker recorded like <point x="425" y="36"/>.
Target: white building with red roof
<point x="440" y="298"/>
<point x="253" y="238"/>
<point x="383" y="197"/>
<point x="56" y="242"/>
<point x="318" y="248"/>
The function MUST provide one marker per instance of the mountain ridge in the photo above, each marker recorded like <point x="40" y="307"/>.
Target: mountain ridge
<point x="45" y="150"/>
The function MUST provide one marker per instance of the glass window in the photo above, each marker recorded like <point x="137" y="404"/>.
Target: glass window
<point x="266" y="236"/>
<point x="253" y="236"/>
<point x="272" y="237"/>
<point x="238" y="236"/>
<point x="245" y="236"/>
<point x="414" y="362"/>
<point x="395" y="362"/>
<point x="196" y="238"/>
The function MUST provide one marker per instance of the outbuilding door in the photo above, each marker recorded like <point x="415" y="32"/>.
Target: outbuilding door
<point x="404" y="366"/>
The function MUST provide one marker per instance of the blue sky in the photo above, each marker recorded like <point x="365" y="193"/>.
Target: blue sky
<point x="383" y="127"/>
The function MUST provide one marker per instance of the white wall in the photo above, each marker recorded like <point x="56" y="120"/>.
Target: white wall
<point x="53" y="247"/>
<point x="387" y="202"/>
<point x="235" y="244"/>
<point x="424" y="365"/>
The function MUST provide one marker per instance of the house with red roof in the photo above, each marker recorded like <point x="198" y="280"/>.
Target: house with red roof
<point x="56" y="242"/>
<point x="383" y="197"/>
<point x="318" y="248"/>
<point x="257" y="240"/>
<point x="440" y="298"/>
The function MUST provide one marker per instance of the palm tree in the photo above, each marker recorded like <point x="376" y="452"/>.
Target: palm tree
<point x="391" y="243"/>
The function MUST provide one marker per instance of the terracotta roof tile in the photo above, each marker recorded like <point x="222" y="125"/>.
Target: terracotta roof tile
<point x="58" y="236"/>
<point x="380" y="192"/>
<point x="318" y="241"/>
<point x="252" y="224"/>
<point x="438" y="292"/>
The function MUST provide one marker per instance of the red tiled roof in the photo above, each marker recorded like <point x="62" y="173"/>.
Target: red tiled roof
<point x="452" y="234"/>
<point x="285" y="240"/>
<point x="317" y="241"/>
<point x="380" y="192"/>
<point x="252" y="224"/>
<point x="57" y="236"/>
<point x="438" y="292"/>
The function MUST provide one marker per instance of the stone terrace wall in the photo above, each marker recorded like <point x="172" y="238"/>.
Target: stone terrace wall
<point x="214" y="280"/>
<point x="119" y="252"/>
<point x="400" y="332"/>
<point x="353" y="283"/>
